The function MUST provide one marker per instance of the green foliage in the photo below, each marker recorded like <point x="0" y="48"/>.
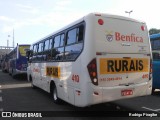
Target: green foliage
<point x="154" y="31"/>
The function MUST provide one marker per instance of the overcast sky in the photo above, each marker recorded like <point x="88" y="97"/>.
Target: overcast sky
<point x="34" y="19"/>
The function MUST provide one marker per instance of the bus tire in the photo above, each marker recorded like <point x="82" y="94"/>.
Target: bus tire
<point x="12" y="74"/>
<point x="54" y="95"/>
<point x="153" y="89"/>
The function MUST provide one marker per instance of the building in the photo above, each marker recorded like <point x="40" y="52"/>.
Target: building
<point x="4" y="50"/>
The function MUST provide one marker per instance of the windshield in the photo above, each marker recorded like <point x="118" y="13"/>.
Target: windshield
<point x="23" y="50"/>
<point x="156" y="55"/>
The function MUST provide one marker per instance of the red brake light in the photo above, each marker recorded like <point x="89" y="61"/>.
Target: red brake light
<point x="100" y="21"/>
<point x="92" y="70"/>
<point x="142" y="28"/>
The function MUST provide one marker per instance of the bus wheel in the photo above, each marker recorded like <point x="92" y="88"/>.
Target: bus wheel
<point x="55" y="95"/>
<point x="153" y="89"/>
<point x="12" y="74"/>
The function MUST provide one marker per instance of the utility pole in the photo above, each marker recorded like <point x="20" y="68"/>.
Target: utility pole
<point x="7" y="46"/>
<point x="13" y="37"/>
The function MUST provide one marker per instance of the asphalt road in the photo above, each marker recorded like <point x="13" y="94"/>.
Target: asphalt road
<point x="145" y="103"/>
<point x="17" y="95"/>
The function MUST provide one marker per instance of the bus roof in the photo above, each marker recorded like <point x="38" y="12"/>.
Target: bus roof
<point x="117" y="17"/>
<point x="83" y="18"/>
<point x="18" y="45"/>
<point x="155" y="36"/>
<point x="24" y="44"/>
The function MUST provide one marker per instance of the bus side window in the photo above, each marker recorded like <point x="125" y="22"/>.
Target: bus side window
<point x="40" y="51"/>
<point x="74" y="43"/>
<point x="62" y="40"/>
<point x="46" y="49"/>
<point x="34" y="58"/>
<point x="31" y="49"/>
<point x="57" y="41"/>
<point x="80" y="33"/>
<point x="46" y="45"/>
<point x="51" y="43"/>
<point x="58" y="51"/>
<point x="35" y="49"/>
<point x="72" y="36"/>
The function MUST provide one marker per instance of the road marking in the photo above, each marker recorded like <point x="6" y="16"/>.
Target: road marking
<point x="0" y="99"/>
<point x="155" y="110"/>
<point x="16" y="86"/>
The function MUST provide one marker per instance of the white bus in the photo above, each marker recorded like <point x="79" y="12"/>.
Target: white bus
<point x="96" y="59"/>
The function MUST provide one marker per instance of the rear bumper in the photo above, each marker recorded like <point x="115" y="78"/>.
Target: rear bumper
<point x="138" y="90"/>
<point x="20" y="72"/>
<point x="107" y="94"/>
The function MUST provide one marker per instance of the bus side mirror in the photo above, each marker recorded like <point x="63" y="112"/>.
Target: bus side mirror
<point x="29" y="54"/>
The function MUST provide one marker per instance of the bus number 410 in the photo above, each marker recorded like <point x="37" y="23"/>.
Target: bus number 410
<point x="145" y="76"/>
<point x="75" y="78"/>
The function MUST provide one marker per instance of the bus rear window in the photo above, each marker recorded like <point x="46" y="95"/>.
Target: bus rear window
<point x="23" y="50"/>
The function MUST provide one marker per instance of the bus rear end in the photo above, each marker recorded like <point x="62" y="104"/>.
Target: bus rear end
<point x="20" y="66"/>
<point x="121" y="67"/>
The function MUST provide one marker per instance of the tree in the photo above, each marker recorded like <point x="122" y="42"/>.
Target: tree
<point x="154" y="31"/>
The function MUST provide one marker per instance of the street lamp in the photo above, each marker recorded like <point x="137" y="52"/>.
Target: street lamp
<point x="12" y="37"/>
<point x="129" y="12"/>
<point x="7" y="43"/>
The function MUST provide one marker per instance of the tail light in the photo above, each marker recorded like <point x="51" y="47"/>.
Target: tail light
<point x="100" y="22"/>
<point x="150" y="72"/>
<point x="142" y="28"/>
<point x="92" y="70"/>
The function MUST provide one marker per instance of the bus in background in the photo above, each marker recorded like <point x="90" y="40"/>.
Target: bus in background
<point x="155" y="43"/>
<point x="96" y="59"/>
<point x="18" y="61"/>
<point x="4" y="63"/>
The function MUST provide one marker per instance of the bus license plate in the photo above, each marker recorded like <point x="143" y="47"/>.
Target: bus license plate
<point x="126" y="92"/>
